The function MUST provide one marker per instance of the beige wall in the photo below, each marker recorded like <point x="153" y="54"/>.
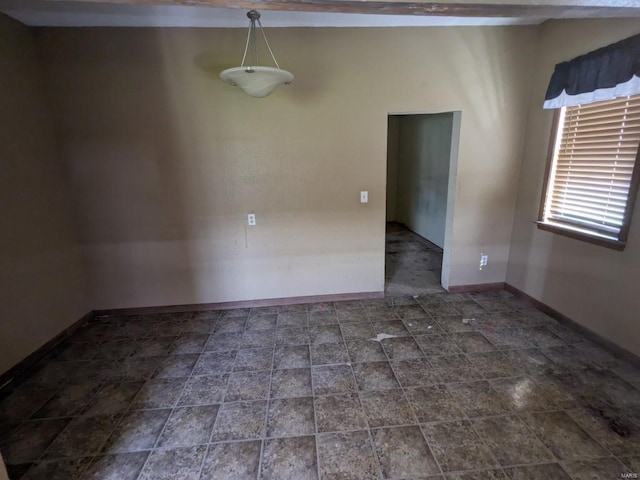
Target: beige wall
<point x="594" y="286"/>
<point x="165" y="161"/>
<point x="41" y="278"/>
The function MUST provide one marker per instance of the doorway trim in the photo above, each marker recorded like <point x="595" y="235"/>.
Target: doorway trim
<point x="451" y="199"/>
<point x="451" y="186"/>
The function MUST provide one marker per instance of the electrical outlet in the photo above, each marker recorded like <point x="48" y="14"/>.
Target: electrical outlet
<point x="484" y="259"/>
<point x="251" y="219"/>
<point x="364" y="197"/>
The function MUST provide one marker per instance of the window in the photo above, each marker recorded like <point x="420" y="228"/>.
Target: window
<point x="591" y="182"/>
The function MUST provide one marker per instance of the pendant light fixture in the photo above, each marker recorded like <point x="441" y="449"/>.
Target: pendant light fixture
<point x="254" y="79"/>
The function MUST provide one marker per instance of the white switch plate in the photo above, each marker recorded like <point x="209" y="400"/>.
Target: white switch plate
<point x="251" y="219"/>
<point x="364" y="197"/>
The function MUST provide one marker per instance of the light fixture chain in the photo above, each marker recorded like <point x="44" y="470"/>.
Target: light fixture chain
<point x="246" y="47"/>
<point x="255" y="41"/>
<point x="267" y="43"/>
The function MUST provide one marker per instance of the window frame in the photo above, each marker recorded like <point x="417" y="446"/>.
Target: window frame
<point x="576" y="234"/>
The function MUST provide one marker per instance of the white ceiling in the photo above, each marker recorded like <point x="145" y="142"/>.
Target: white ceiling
<point x="78" y="14"/>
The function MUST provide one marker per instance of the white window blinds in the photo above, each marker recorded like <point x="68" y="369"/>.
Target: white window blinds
<point x="592" y="168"/>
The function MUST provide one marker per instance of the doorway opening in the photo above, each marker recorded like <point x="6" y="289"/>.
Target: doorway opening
<point x="422" y="154"/>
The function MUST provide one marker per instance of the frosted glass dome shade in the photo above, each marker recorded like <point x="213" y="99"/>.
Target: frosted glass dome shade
<point x="257" y="81"/>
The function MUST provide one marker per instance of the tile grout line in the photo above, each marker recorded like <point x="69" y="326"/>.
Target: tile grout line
<point x="374" y="451"/>
<point x="355" y="383"/>
<point x="468" y="419"/>
<point x="94" y="456"/>
<point x="404" y="393"/>
<point x="557" y="459"/>
<point x="101" y="385"/>
<point x="519" y="414"/>
<point x="380" y="472"/>
<point x="315" y="411"/>
<point x="560" y="461"/>
<point x="471" y="421"/>
<point x="155" y="447"/>
<point x="268" y="403"/>
<point x="213" y="426"/>
<point x="99" y="450"/>
<point x="228" y="373"/>
<point x="71" y="419"/>
<point x="567" y="411"/>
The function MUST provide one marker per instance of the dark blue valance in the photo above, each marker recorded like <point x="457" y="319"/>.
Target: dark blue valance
<point x="609" y="72"/>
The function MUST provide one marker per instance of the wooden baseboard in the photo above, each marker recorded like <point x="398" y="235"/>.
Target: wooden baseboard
<point x="25" y="366"/>
<point x="198" y="307"/>
<point x="480" y="287"/>
<point x="613" y="348"/>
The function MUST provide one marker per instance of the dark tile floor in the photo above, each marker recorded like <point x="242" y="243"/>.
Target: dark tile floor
<point x="301" y="392"/>
<point x="469" y="386"/>
<point x="412" y="265"/>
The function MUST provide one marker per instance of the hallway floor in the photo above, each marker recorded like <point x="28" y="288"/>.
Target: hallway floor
<point x="470" y="386"/>
<point x="412" y="264"/>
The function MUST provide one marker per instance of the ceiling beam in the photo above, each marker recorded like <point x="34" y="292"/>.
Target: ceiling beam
<point x="456" y="8"/>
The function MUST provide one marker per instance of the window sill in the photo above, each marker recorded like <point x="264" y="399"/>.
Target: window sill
<point x="584" y="237"/>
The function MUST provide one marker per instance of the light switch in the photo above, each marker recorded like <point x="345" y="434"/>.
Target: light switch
<point x="364" y="197"/>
